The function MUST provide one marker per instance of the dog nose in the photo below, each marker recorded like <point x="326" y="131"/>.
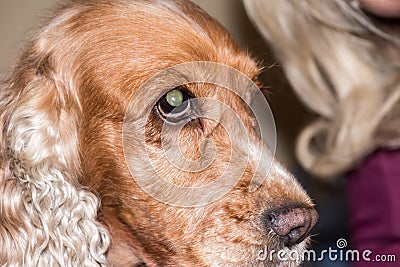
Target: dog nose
<point x="293" y="225"/>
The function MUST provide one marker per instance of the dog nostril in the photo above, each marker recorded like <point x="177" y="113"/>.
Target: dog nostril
<point x="292" y="226"/>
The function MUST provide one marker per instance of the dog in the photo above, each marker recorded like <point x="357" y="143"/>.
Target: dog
<point x="73" y="169"/>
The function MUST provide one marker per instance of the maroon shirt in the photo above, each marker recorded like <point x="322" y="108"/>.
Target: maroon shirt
<point x="374" y="196"/>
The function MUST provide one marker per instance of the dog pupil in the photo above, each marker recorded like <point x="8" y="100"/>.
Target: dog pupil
<point x="174" y="98"/>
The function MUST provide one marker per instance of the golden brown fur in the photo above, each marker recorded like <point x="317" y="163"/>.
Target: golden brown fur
<point x="62" y="115"/>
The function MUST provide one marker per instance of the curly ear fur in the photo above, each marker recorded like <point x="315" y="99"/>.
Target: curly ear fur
<point x="46" y="218"/>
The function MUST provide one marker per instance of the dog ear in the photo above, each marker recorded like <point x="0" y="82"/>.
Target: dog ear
<point x="46" y="218"/>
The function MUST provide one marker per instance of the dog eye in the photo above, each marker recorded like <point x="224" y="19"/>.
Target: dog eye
<point x="174" y="105"/>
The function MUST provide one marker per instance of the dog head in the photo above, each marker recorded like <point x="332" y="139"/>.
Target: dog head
<point x="129" y="102"/>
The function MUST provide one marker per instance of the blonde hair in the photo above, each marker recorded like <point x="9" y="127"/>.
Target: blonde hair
<point x="341" y="65"/>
